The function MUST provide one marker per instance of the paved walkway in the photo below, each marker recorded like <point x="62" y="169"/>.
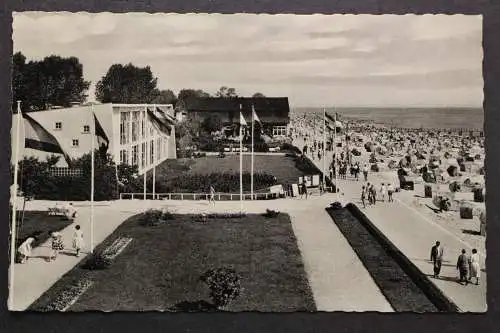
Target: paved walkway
<point x="34" y="277"/>
<point x="414" y="234"/>
<point x="338" y="280"/>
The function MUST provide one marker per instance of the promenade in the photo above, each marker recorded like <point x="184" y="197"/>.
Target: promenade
<point x="414" y="233"/>
<point x="338" y="279"/>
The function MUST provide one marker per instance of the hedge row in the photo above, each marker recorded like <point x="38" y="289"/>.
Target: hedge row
<point x="222" y="182"/>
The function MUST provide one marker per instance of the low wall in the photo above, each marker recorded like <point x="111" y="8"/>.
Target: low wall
<point x="435" y="295"/>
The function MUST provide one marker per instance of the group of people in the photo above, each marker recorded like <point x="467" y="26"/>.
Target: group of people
<point x="468" y="266"/>
<point x="57" y="245"/>
<point x="369" y="192"/>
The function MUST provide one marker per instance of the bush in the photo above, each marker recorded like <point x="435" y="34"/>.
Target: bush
<point x="336" y="205"/>
<point x="97" y="261"/>
<point x="271" y="213"/>
<point x="224" y="285"/>
<point x="290" y="147"/>
<point x="222" y="182"/>
<point x="154" y="217"/>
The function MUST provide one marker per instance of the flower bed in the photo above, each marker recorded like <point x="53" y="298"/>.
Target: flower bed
<point x="68" y="296"/>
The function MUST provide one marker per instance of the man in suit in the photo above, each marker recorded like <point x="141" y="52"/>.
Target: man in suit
<point x="437" y="253"/>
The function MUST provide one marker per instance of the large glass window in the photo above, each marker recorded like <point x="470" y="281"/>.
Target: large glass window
<point x="135" y="154"/>
<point x="151" y="152"/>
<point x="123" y="156"/>
<point x="143" y="154"/>
<point x="158" y="149"/>
<point x="135" y="126"/>
<point x="124" y="121"/>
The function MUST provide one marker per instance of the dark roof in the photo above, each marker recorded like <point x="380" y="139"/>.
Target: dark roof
<point x="268" y="109"/>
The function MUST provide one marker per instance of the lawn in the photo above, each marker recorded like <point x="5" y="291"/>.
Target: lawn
<point x="282" y="167"/>
<point x="160" y="269"/>
<point x="39" y="223"/>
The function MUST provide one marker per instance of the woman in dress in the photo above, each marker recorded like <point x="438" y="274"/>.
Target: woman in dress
<point x="57" y="245"/>
<point x="24" y="249"/>
<point x="78" y="242"/>
<point x="475" y="268"/>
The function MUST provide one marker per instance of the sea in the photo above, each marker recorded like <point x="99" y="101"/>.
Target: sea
<point x="430" y="118"/>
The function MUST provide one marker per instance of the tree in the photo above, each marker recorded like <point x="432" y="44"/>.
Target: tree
<point x="225" y="92"/>
<point x="190" y="93"/>
<point x="49" y="82"/>
<point x="165" y="97"/>
<point x="258" y="95"/>
<point x="127" y="84"/>
<point x="212" y="123"/>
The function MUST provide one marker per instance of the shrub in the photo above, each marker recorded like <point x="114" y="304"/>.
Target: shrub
<point x="224" y="285"/>
<point x="97" y="261"/>
<point x="154" y="217"/>
<point x="271" y="213"/>
<point x="336" y="205"/>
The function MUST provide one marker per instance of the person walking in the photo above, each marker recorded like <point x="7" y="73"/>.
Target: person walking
<point x="303" y="189"/>
<point x="57" y="245"/>
<point x="374" y="194"/>
<point x="463" y="267"/>
<point x="363" y="195"/>
<point x="474" y="267"/>
<point x="212" y="194"/>
<point x="24" y="250"/>
<point x="365" y="172"/>
<point x="437" y="253"/>
<point x="383" y="191"/>
<point x="390" y="192"/>
<point x="369" y="193"/>
<point x="78" y="242"/>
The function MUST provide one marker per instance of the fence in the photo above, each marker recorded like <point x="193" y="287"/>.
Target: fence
<point x="65" y="172"/>
<point x="200" y="196"/>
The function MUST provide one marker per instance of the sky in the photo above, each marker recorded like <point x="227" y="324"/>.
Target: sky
<point x="314" y="60"/>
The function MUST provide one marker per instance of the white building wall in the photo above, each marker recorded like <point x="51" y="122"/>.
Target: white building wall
<point x="73" y="121"/>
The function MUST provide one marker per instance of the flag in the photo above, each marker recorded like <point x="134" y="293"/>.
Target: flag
<point x="160" y="126"/>
<point x="102" y="138"/>
<point x="242" y="120"/>
<point x="331" y="123"/>
<point x="169" y="119"/>
<point x="38" y="138"/>
<point x="257" y="119"/>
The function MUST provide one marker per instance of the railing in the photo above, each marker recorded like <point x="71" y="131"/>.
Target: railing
<point x="200" y="196"/>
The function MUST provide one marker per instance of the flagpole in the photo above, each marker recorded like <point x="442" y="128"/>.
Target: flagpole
<point x="14" y="210"/>
<point x="335" y="154"/>
<point x="92" y="167"/>
<point x="241" y="160"/>
<point x="324" y="144"/>
<point x="144" y="145"/>
<point x="251" y="168"/>
<point x="154" y="163"/>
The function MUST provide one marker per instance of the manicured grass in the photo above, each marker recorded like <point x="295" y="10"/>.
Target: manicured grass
<point x="160" y="269"/>
<point x="397" y="286"/>
<point x="282" y="167"/>
<point x="39" y="223"/>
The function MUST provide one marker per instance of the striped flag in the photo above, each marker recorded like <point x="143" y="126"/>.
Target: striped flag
<point x="331" y="122"/>
<point x="38" y="138"/>
<point x="160" y="126"/>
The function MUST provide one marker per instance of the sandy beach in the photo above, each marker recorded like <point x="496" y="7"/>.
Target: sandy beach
<point x="451" y="163"/>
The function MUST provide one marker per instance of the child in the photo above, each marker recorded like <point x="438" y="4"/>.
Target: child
<point x="57" y="245"/>
<point x="78" y="242"/>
